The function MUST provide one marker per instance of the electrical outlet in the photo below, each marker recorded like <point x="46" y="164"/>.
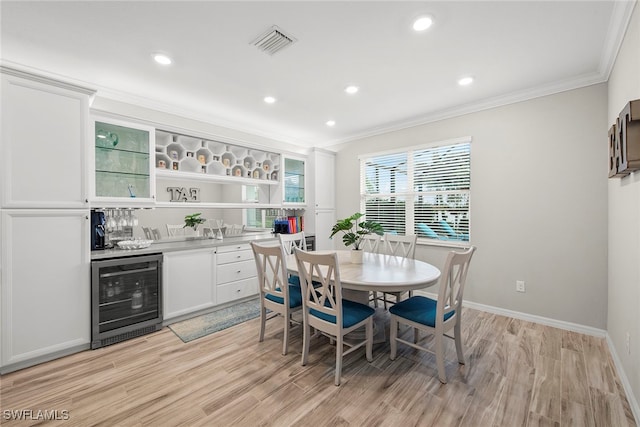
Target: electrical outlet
<point x="520" y="286"/>
<point x="628" y="343"/>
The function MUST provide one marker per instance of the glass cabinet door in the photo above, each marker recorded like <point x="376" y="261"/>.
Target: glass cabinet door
<point x="294" y="181"/>
<point x="122" y="161"/>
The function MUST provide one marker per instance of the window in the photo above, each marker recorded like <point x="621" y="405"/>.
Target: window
<point x="423" y="190"/>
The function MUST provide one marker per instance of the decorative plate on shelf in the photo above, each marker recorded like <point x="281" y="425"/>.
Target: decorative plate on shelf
<point x="134" y="244"/>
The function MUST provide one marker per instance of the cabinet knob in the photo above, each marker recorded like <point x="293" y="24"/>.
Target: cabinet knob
<point x="238" y="272"/>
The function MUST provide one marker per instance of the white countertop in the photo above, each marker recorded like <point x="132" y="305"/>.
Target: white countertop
<point x="181" y="244"/>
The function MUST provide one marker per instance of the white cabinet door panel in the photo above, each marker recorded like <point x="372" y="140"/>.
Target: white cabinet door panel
<point x="45" y="287"/>
<point x="44" y="135"/>
<point x="188" y="283"/>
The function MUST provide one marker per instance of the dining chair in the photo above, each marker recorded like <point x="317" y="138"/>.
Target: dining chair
<point x="324" y="309"/>
<point x="276" y="294"/>
<point x="437" y="317"/>
<point x="289" y="242"/>
<point x="175" y="230"/>
<point x="370" y="243"/>
<point x="397" y="245"/>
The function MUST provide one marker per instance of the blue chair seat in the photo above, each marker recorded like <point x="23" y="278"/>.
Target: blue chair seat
<point x="294" y="280"/>
<point x="418" y="309"/>
<point x="352" y="313"/>
<point x="295" y="297"/>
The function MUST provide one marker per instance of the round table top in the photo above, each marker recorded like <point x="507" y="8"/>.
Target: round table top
<point x="379" y="272"/>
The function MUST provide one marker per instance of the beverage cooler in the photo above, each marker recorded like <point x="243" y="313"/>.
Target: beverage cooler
<point x="126" y="299"/>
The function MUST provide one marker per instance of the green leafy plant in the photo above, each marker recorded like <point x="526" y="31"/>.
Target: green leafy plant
<point x="355" y="231"/>
<point x="193" y="221"/>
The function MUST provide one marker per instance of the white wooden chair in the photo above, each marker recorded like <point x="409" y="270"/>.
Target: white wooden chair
<point x="437" y="317"/>
<point x="370" y="243"/>
<point x="151" y="233"/>
<point x="289" y="242"/>
<point x="326" y="311"/>
<point x="233" y="229"/>
<point x="275" y="293"/>
<point x="404" y="246"/>
<point x="175" y="230"/>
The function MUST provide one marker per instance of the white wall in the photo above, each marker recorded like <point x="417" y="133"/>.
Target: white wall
<point x="624" y="219"/>
<point x="538" y="201"/>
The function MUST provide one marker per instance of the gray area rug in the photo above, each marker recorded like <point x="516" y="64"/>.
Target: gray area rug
<point x="198" y="327"/>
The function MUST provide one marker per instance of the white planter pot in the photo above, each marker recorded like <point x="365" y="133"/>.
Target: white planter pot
<point x="356" y="256"/>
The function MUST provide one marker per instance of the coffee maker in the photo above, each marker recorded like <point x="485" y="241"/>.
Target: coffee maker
<point x="97" y="230"/>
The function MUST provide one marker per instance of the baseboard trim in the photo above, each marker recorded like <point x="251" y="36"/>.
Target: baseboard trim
<point x="560" y="324"/>
<point x="633" y="401"/>
<point x="569" y="326"/>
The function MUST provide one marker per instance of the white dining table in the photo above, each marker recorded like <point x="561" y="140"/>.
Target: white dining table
<point x="379" y="273"/>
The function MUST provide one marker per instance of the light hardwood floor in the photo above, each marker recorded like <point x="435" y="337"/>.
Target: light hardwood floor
<point x="517" y="374"/>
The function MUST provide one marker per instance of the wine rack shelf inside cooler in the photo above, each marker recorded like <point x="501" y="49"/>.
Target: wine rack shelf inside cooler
<point x="126" y="298"/>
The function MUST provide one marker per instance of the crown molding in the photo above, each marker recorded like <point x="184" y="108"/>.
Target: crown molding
<point x="473" y="107"/>
<point x="618" y="24"/>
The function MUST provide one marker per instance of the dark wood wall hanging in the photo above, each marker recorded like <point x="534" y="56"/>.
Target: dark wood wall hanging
<point x="624" y="141"/>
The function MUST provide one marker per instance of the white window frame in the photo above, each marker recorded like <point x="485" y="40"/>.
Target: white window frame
<point x="410" y="194"/>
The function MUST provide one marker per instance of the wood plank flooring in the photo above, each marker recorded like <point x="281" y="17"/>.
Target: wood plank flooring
<point x="517" y="374"/>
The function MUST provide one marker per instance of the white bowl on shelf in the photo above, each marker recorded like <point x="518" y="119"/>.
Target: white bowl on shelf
<point x="134" y="244"/>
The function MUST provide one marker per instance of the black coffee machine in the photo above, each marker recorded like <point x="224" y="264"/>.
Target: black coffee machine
<point x="97" y="230"/>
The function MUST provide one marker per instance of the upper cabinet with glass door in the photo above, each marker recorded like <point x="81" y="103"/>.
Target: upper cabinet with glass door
<point x="294" y="181"/>
<point x="123" y="160"/>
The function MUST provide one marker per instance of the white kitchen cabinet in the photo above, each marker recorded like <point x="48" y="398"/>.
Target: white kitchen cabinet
<point x="294" y="184"/>
<point x="320" y="216"/>
<point x="188" y="282"/>
<point x="44" y="133"/>
<point x="324" y="220"/>
<point x="122" y="163"/>
<point x="236" y="273"/>
<point x="323" y="170"/>
<point x="45" y="286"/>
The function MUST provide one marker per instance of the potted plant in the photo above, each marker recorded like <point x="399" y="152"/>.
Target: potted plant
<point x="353" y="232"/>
<point x="193" y="221"/>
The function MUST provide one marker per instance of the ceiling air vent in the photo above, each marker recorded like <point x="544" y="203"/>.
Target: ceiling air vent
<point x="273" y="40"/>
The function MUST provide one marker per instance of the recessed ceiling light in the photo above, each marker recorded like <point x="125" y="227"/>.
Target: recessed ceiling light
<point x="422" y="23"/>
<point x="465" y="81"/>
<point x="269" y="99"/>
<point x="351" y="89"/>
<point x="162" y="59"/>
<point x="331" y="123"/>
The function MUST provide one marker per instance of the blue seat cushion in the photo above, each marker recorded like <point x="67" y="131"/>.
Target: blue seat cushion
<point x="294" y="280"/>
<point x="352" y="313"/>
<point x="295" y="297"/>
<point x="418" y="309"/>
<point x="427" y="231"/>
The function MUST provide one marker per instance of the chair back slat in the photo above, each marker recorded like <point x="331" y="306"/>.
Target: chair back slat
<point x="370" y="243"/>
<point x="272" y="270"/>
<point x="291" y="241"/>
<point x="326" y="295"/>
<point x="404" y="246"/>
<point x="452" y="283"/>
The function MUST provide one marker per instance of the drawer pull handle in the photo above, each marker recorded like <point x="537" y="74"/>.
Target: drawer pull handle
<point x="239" y="271"/>
<point x="237" y="290"/>
<point x="238" y="256"/>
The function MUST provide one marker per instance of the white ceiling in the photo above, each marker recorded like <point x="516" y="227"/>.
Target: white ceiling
<point x="514" y="49"/>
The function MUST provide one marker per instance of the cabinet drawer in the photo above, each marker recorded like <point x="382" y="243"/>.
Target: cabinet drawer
<point x="232" y="248"/>
<point x="236" y="271"/>
<point x="236" y="290"/>
<point x="235" y="256"/>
